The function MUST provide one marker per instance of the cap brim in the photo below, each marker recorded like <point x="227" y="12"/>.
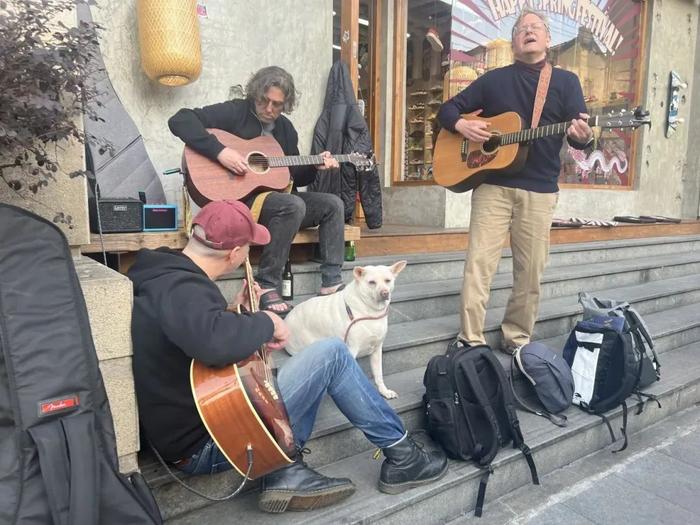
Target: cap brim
<point x="261" y="235"/>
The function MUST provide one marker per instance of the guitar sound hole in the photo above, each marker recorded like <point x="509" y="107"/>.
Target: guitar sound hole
<point x="492" y="144"/>
<point x="258" y="163"/>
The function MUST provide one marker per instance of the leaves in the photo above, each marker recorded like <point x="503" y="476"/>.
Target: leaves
<point x="44" y="87"/>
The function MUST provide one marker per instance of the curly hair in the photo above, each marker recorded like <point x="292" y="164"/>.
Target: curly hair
<point x="272" y="76"/>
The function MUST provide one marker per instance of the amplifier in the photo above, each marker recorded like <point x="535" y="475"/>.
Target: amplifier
<point x="117" y="215"/>
<point x="159" y="217"/>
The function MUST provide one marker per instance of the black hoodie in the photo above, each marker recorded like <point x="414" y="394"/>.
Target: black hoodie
<point x="180" y="315"/>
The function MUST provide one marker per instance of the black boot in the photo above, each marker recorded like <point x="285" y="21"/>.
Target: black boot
<point x="297" y="487"/>
<point x="407" y="465"/>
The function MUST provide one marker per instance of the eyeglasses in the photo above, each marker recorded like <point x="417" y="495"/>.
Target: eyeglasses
<point x="276" y="104"/>
<point x="537" y="26"/>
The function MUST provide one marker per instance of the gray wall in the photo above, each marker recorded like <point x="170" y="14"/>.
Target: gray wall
<point x="238" y="37"/>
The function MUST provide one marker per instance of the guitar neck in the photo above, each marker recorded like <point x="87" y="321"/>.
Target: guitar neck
<point x="528" y="135"/>
<point x="303" y="160"/>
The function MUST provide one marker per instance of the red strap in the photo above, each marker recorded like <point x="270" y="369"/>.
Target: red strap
<point x="541" y="95"/>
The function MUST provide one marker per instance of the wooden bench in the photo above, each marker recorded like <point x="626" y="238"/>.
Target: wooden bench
<point x="133" y="242"/>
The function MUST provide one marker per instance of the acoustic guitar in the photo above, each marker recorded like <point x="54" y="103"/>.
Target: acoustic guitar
<point x="268" y="168"/>
<point x="242" y="409"/>
<point x="461" y="165"/>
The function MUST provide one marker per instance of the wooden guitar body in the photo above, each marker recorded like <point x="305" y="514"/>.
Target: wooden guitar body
<point x="228" y="400"/>
<point x="207" y="180"/>
<point x="243" y="411"/>
<point x="461" y="165"/>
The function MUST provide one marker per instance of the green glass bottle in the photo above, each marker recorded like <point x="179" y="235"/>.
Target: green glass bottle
<point x="350" y="251"/>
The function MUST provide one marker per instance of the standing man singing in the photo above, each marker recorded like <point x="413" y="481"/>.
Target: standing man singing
<point x="523" y="202"/>
<point x="269" y="93"/>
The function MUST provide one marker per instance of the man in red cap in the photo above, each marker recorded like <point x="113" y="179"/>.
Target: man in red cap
<point x="180" y="314"/>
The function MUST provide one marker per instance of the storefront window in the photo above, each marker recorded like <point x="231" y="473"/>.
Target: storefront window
<point x="599" y="41"/>
<point x="427" y="47"/>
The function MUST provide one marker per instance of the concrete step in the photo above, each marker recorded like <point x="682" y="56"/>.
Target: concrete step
<point x="449" y="265"/>
<point x="410" y="344"/>
<point x="415" y="301"/>
<point x="455" y="494"/>
<point x="334" y="438"/>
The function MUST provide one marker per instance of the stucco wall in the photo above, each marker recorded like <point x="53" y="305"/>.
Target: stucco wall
<point x="238" y="37"/>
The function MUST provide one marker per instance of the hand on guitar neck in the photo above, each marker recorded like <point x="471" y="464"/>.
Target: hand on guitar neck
<point x="329" y="162"/>
<point x="580" y="131"/>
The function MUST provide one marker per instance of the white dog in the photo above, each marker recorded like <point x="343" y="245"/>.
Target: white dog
<point x="357" y="314"/>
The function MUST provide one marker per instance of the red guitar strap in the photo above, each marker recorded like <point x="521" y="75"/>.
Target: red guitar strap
<point x="541" y="95"/>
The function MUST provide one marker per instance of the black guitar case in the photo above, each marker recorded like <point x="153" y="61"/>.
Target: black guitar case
<point x="58" y="459"/>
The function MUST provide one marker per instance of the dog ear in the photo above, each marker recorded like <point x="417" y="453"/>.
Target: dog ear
<point x="358" y="272"/>
<point x="397" y="267"/>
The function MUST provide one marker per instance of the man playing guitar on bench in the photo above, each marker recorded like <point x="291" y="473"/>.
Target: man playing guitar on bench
<point x="269" y="93"/>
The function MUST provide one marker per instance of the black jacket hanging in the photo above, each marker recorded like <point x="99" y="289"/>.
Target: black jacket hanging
<point x="341" y="128"/>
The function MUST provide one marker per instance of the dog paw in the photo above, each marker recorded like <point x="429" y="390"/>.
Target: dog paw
<point x="388" y="394"/>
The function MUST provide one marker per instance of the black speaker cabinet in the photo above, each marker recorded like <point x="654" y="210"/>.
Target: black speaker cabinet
<point x="117" y="215"/>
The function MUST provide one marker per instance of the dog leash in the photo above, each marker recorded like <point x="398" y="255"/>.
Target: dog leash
<point x="354" y="320"/>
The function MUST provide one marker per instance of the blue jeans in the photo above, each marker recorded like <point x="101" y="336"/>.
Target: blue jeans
<point x="325" y="366"/>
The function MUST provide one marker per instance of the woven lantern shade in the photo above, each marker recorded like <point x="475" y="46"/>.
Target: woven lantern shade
<point x="169" y="38"/>
<point x="456" y="79"/>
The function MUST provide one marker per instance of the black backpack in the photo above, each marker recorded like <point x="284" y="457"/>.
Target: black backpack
<point x="470" y="409"/>
<point x="58" y="459"/>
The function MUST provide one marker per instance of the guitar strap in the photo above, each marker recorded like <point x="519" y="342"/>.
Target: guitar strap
<point x="541" y="95"/>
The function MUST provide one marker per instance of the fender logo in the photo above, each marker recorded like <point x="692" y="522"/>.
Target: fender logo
<point x="57" y="405"/>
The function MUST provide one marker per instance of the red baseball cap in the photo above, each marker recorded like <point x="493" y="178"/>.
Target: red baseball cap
<point x="228" y="224"/>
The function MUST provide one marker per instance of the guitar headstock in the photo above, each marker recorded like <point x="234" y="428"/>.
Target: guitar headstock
<point x="624" y="119"/>
<point x="362" y="161"/>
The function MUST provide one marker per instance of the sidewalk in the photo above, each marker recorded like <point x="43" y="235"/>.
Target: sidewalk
<point x="655" y="481"/>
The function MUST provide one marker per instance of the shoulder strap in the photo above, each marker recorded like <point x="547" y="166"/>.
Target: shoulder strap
<point x="518" y="440"/>
<point x="469" y="370"/>
<point x="541" y="95"/>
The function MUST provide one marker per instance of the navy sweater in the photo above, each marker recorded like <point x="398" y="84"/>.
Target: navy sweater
<point x="512" y="88"/>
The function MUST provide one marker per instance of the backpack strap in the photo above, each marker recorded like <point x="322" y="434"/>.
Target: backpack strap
<point x="68" y="464"/>
<point x="473" y="378"/>
<point x="623" y="430"/>
<point x="518" y="440"/>
<point x="560" y="421"/>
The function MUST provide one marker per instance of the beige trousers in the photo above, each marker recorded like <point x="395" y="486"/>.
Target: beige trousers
<point x="528" y="214"/>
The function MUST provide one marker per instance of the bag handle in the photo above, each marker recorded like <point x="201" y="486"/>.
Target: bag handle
<point x="69" y="468"/>
<point x="54" y="466"/>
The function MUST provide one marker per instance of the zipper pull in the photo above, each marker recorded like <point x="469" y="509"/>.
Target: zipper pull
<point x="456" y="398"/>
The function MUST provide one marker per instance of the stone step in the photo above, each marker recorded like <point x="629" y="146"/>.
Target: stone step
<point x="334" y="438"/>
<point x="449" y="265"/>
<point x="411" y="344"/>
<point x="413" y="301"/>
<point x="455" y="494"/>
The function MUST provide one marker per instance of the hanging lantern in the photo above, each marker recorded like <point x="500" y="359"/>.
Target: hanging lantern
<point x="169" y="39"/>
